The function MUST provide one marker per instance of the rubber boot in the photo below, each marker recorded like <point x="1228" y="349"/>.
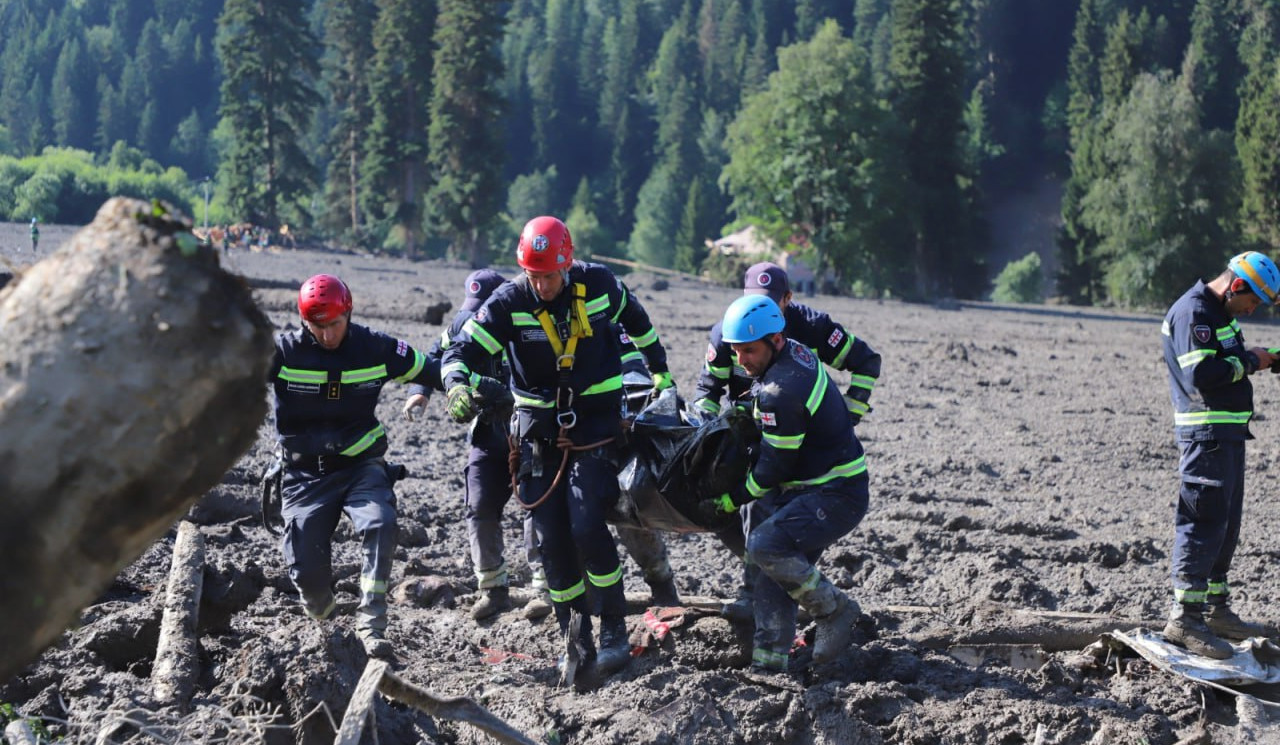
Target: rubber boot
<point x="663" y="593"/>
<point x="374" y="642"/>
<point x="492" y="600"/>
<point x="615" y="647"/>
<point x="1186" y="627"/>
<point x="540" y="605"/>
<point x="1224" y="622"/>
<point x="835" y="614"/>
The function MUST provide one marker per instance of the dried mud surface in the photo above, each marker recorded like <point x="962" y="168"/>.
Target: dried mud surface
<point x="1023" y="477"/>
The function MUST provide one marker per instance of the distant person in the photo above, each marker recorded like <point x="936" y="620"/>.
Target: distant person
<point x="1208" y="370"/>
<point x="35" y="235"/>
<point x="806" y="488"/>
<point x="327" y="377"/>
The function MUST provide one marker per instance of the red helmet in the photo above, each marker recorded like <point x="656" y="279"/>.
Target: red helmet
<point x="323" y="298"/>
<point x="545" y="245"/>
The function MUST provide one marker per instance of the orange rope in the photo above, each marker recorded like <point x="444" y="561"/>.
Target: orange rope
<point x="566" y="447"/>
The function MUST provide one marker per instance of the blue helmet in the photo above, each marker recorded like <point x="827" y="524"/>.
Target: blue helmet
<point x="751" y="317"/>
<point x="1259" y="272"/>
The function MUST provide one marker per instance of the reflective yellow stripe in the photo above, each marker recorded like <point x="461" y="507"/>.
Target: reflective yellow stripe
<point x="844" y="470"/>
<point x="838" y="362"/>
<point x="523" y="319"/>
<point x="455" y="367"/>
<point x="363" y="443"/>
<point x="862" y="381"/>
<point x="533" y="403"/>
<point x="564" y="596"/>
<point x="1195" y="418"/>
<point x="1192" y="358"/>
<point x="857" y="407"/>
<point x="369" y="584"/>
<point x="365" y="375"/>
<point x="816" y="394"/>
<point x="598" y="305"/>
<point x="1190" y="596"/>
<point x="621" y="305"/>
<point x="810" y="582"/>
<point x="482" y="337"/>
<point x="645" y="339"/>
<point x="721" y="373"/>
<point x="606" y="580"/>
<point x="318" y="377"/>
<point x="419" y="362"/>
<point x="784" y="442"/>
<point x="604" y="386"/>
<point x="753" y="488"/>
<point x="1219" y="588"/>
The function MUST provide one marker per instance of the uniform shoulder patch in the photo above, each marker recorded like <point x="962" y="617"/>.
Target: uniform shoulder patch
<point x="768" y="419"/>
<point x="711" y="353"/>
<point x="1202" y="333"/>
<point x="803" y="355"/>
<point x="402" y="347"/>
<point x="481" y="315"/>
<point x="624" y="337"/>
<point x="836" y="337"/>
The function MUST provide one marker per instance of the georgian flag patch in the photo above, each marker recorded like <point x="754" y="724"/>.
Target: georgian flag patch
<point x="711" y="353"/>
<point x="402" y="347"/>
<point x="836" y="337"/>
<point x="1202" y="333"/>
<point x="768" y="419"/>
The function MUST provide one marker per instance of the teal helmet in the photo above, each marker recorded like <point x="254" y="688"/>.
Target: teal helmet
<point x="751" y="317"/>
<point x="1259" y="272"/>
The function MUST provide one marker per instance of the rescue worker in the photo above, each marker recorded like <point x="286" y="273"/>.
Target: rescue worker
<point x="722" y="375"/>
<point x="327" y="378"/>
<point x="555" y="323"/>
<point x="1209" y="368"/>
<point x="807" y="487"/>
<point x="35" y="235"/>
<point x="488" y="482"/>
<point x="835" y="346"/>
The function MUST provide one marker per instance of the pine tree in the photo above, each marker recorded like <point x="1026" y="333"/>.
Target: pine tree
<point x="1258" y="147"/>
<point x="464" y="141"/>
<point x="269" y="59"/>
<point x="349" y="41"/>
<point x="928" y="69"/>
<point x="395" y="149"/>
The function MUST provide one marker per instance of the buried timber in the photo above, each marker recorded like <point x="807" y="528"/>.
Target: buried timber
<point x="1022" y="478"/>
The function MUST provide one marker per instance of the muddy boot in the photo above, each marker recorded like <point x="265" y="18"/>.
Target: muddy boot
<point x="1224" y="622"/>
<point x="320" y="609"/>
<point x="835" y="630"/>
<point x="1186" y="627"/>
<point x="664" y="593"/>
<point x="492" y="600"/>
<point x="615" y="648"/>
<point x="768" y="662"/>
<point x="540" y="605"/>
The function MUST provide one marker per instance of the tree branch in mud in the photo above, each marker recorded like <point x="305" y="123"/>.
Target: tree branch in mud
<point x="377" y="678"/>
<point x="131" y="378"/>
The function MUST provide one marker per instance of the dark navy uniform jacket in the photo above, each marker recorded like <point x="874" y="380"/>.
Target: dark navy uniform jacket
<point x="325" y="400"/>
<point x="507" y="322"/>
<point x="816" y="330"/>
<point x="1209" y="369"/>
<point x="807" y="437"/>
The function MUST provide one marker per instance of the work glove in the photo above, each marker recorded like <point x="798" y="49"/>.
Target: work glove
<point x="662" y="381"/>
<point x="715" y="510"/>
<point x="858" y="408"/>
<point x="494" y="398"/>
<point x="415" y="404"/>
<point x="462" y="406"/>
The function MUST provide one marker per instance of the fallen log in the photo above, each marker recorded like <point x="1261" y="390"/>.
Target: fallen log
<point x="173" y="677"/>
<point x="378" y="678"/>
<point x="131" y="377"/>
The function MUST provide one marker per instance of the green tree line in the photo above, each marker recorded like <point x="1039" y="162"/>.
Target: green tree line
<point x="869" y="136"/>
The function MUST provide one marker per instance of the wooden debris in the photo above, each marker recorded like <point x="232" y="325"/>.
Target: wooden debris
<point x="377" y="677"/>
<point x="173" y="677"/>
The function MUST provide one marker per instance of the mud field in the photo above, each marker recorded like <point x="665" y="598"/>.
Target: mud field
<point x="1023" y="478"/>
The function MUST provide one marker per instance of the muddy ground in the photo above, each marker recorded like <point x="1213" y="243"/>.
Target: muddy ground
<point x="1023" y="477"/>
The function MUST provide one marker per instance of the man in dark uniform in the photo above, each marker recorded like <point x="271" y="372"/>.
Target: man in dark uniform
<point x="327" y="378"/>
<point x="555" y="323"/>
<point x="1209" y="368"/>
<point x="835" y="346"/>
<point x="806" y="489"/>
